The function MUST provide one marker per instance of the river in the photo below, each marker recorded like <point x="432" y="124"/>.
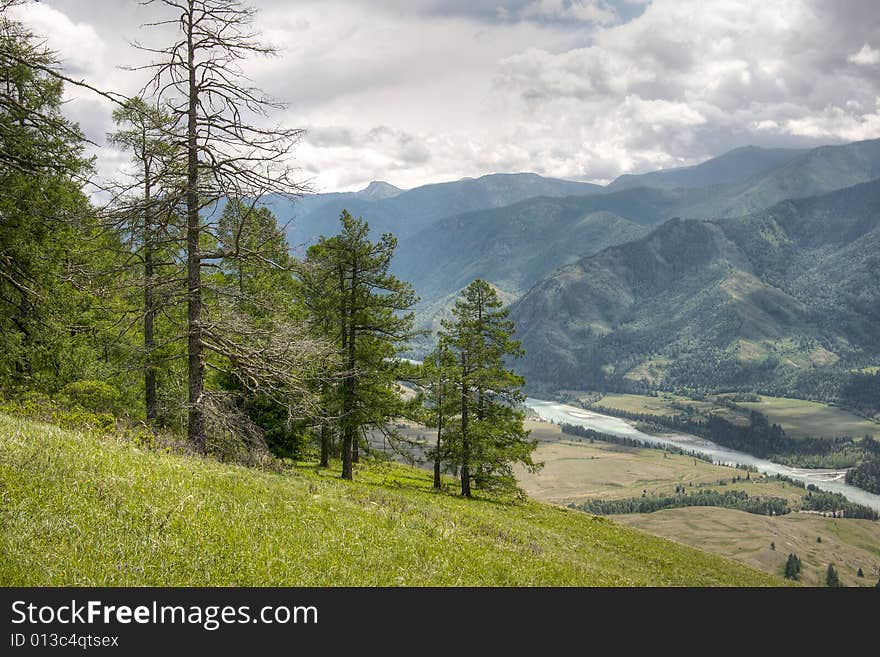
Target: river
<point x="828" y="480"/>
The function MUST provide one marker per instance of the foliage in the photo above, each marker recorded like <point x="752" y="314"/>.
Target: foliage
<point x="731" y="499"/>
<point x="831" y="577"/>
<point x="487" y="437"/>
<point x="792" y="567"/>
<point x="365" y="311"/>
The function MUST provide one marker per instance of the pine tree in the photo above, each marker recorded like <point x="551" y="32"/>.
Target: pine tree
<point x="488" y="436"/>
<point x="368" y="312"/>
<point x="793" y="567"/>
<point x="145" y="211"/>
<point x="438" y="371"/>
<point x="49" y="241"/>
<point x="198" y="80"/>
<point x="831" y="577"/>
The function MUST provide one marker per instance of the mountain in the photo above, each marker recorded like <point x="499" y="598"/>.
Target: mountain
<point x="770" y="296"/>
<point x="514" y="246"/>
<point x="403" y="213"/>
<point x="737" y="165"/>
<point x="817" y="171"/>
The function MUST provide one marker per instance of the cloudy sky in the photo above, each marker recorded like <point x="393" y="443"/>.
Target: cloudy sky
<point x="418" y="91"/>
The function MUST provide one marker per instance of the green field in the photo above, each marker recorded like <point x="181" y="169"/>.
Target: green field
<point x="576" y="470"/>
<point x="78" y="509"/>
<point x="801" y="418"/>
<point x="666" y="405"/>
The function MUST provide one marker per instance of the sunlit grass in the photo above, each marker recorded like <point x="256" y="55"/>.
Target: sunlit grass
<point x="78" y="509"/>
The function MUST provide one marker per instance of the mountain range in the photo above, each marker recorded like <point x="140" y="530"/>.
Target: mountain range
<point x="753" y="267"/>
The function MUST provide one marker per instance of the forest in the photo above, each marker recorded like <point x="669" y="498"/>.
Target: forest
<point x="165" y="302"/>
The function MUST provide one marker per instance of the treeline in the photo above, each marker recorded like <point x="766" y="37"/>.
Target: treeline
<point x="815" y="500"/>
<point x="176" y="304"/>
<point x="866" y="475"/>
<point x="591" y="434"/>
<point x="759" y="437"/>
<point x="835" y="503"/>
<point x="730" y="499"/>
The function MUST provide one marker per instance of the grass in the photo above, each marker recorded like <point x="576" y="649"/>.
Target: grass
<point x="576" y="470"/>
<point x="848" y="544"/>
<point x="79" y="509"/>
<point x="801" y="418"/>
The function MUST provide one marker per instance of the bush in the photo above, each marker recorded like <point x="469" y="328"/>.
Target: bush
<point x="92" y="396"/>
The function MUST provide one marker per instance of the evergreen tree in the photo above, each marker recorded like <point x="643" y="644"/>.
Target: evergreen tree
<point x="198" y="80"/>
<point x="831" y="578"/>
<point x="145" y="211"/>
<point x="488" y="436"/>
<point x="438" y="371"/>
<point x="793" y="567"/>
<point x="53" y="324"/>
<point x="368" y="311"/>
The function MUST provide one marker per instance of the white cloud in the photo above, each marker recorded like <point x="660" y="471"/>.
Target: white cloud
<point x="587" y="11"/>
<point x="867" y="56"/>
<point x="417" y="91"/>
<point x="78" y="44"/>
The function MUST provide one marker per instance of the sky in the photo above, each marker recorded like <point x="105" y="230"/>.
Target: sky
<point x="421" y="91"/>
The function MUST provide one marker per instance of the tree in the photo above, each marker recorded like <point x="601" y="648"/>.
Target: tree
<point x="368" y="312"/>
<point x="44" y="220"/>
<point x="831" y="578"/>
<point x="198" y="79"/>
<point x="793" y="567"/>
<point x="860" y="573"/>
<point x="146" y="207"/>
<point x="488" y="436"/>
<point x="438" y="370"/>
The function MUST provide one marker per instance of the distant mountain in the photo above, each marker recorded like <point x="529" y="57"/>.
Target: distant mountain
<point x="737" y="165"/>
<point x="403" y="213"/>
<point x="377" y="190"/>
<point x="514" y="246"/>
<point x="817" y="171"/>
<point x="773" y="296"/>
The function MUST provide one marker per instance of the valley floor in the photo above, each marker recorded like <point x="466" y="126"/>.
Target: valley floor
<point x="576" y="470"/>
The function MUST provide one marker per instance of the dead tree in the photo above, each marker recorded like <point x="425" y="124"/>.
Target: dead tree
<point x="217" y="119"/>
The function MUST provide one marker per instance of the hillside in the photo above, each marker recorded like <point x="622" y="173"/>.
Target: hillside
<point x="736" y="302"/>
<point x="737" y="165"/>
<point x="516" y="245"/>
<point x="83" y="510"/>
<point x="403" y="213"/>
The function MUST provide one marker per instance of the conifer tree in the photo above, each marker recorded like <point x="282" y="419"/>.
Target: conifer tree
<point x="488" y="436"/>
<point x="368" y="311"/>
<point x="438" y="372"/>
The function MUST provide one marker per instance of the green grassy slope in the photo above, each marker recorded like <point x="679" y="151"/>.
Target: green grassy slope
<point x="81" y="510"/>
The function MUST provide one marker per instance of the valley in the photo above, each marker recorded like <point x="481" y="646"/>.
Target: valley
<point x="576" y="470"/>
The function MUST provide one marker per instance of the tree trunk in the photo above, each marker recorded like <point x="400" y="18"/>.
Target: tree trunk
<point x="347" y="440"/>
<point x="195" y="364"/>
<point x="465" y="444"/>
<point x="437" y="483"/>
<point x="150" y="399"/>
<point x="325" y="446"/>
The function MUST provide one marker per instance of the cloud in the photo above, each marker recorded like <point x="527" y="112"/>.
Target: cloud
<point x="78" y="44"/>
<point x="418" y="91"/>
<point x="587" y="11"/>
<point x="690" y="79"/>
<point x="867" y="56"/>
